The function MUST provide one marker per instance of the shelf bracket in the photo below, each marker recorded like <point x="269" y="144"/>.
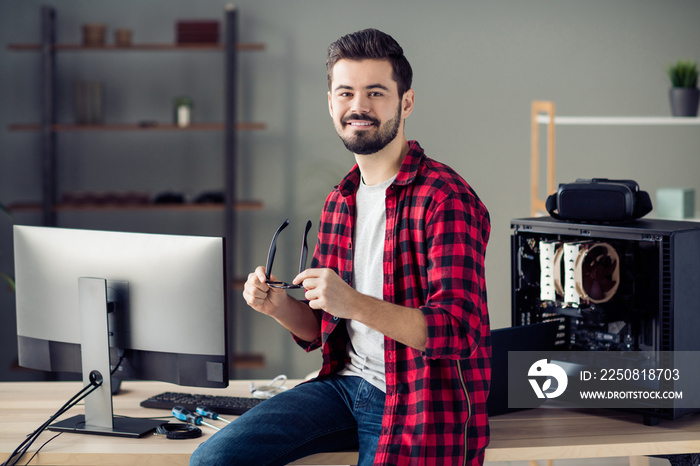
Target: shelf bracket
<point x="48" y="116"/>
<point x="231" y="163"/>
<point x="537" y="204"/>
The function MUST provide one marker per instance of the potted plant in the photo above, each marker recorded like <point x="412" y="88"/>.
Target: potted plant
<point x="684" y="92"/>
<point x="182" y="111"/>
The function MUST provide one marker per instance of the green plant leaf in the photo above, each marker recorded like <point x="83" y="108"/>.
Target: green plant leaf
<point x="183" y="100"/>
<point x="683" y="73"/>
<point x="10" y="281"/>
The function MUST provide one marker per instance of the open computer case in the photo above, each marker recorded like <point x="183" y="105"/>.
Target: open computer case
<point x="636" y="286"/>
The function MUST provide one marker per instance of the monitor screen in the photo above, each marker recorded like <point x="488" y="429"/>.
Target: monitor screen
<point x="155" y="304"/>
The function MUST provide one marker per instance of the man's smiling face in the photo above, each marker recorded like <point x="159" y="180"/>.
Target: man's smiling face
<point x="364" y="104"/>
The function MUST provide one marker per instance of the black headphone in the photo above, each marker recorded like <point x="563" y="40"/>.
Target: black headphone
<point x="179" y="431"/>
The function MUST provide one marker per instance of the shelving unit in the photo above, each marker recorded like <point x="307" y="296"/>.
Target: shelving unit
<point x="620" y="121"/>
<point x="115" y="206"/>
<point x="49" y="128"/>
<point x="543" y="113"/>
<point x="126" y="48"/>
<point x="60" y="127"/>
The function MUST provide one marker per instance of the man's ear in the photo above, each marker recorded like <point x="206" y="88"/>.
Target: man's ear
<point x="330" y="104"/>
<point x="407" y="102"/>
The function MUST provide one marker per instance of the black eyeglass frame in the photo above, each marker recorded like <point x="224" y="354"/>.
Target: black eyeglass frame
<point x="271" y="257"/>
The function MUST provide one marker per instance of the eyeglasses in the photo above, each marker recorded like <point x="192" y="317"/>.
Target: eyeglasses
<point x="271" y="257"/>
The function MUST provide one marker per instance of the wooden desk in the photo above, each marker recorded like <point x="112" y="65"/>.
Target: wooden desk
<point x="526" y="435"/>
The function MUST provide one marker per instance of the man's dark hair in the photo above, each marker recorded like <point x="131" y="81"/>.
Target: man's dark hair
<point x="371" y="44"/>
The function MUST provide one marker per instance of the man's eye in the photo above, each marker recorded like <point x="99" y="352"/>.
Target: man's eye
<point x="375" y="94"/>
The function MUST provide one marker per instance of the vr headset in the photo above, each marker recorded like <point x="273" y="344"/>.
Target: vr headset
<point x="599" y="200"/>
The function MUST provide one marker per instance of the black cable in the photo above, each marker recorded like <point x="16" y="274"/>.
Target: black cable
<point x="82" y="394"/>
<point x="119" y="363"/>
<point x="95" y="383"/>
<point x="178" y="430"/>
<point x="39" y="430"/>
<point x="31" y="438"/>
<point x="42" y="446"/>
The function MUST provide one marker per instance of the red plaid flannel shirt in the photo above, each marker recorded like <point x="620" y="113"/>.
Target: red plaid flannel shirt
<point x="437" y="231"/>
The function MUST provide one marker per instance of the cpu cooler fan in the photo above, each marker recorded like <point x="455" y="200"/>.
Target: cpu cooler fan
<point x="597" y="272"/>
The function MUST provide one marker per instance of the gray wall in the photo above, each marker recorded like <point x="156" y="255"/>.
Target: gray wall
<point x="478" y="65"/>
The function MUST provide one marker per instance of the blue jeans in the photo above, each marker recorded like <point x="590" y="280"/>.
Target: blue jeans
<point x="334" y="413"/>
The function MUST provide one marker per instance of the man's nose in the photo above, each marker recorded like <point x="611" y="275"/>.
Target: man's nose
<point x="360" y="104"/>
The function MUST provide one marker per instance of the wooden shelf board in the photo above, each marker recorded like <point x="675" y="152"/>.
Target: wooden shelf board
<point x="248" y="361"/>
<point x="158" y="47"/>
<point x="36" y="207"/>
<point x="66" y="127"/>
<point x="620" y="121"/>
<point x="238" y="283"/>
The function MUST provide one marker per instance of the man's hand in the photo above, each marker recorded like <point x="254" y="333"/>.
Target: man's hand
<point x="260" y="296"/>
<point x="293" y="315"/>
<point x="326" y="290"/>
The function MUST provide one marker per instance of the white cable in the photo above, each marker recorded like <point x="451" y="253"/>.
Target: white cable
<point x="275" y="386"/>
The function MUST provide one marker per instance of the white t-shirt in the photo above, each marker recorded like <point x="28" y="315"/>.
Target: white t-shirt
<point x="366" y="346"/>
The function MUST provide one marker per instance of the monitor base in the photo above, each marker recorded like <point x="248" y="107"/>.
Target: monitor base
<point x="123" y="427"/>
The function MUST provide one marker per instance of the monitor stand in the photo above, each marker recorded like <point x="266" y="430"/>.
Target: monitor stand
<point x="94" y="330"/>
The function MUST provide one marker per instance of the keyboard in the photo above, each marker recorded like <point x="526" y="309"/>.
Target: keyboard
<point x="235" y="405"/>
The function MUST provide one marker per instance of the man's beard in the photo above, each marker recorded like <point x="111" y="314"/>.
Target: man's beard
<point x="370" y="142"/>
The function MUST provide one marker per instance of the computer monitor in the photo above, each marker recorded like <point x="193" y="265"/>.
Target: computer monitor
<point x="153" y="305"/>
